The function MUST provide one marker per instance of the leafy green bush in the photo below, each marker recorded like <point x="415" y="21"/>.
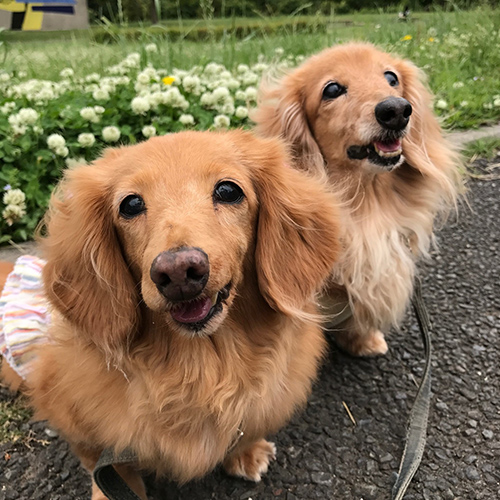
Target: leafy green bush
<point x="48" y="126"/>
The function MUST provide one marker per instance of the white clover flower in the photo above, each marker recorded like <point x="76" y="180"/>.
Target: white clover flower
<point x="89" y="114"/>
<point x="227" y="108"/>
<point x="14" y="120"/>
<point x="86" y="140"/>
<point x="151" y="47"/>
<point x="186" y="119"/>
<point x="464" y="104"/>
<point x="66" y="73"/>
<point x="206" y="99"/>
<point x="488" y="105"/>
<point x="242" y="68"/>
<point x="62" y="151"/>
<point x="93" y="77"/>
<point x="177" y="75"/>
<point x="496" y="102"/>
<point x="19" y="129"/>
<point x="28" y="116"/>
<point x="140" y="105"/>
<point x="74" y="162"/>
<point x="100" y="94"/>
<point x="441" y="104"/>
<point x="111" y="134"/>
<point x="241" y="112"/>
<point x="249" y="78"/>
<point x="240" y="95"/>
<point x="45" y="94"/>
<point x="213" y="68"/>
<point x="7" y="107"/>
<point x="222" y="121"/>
<point x="174" y="98"/>
<point x="132" y="60"/>
<point x="232" y="84"/>
<point x="13" y="213"/>
<point x="260" y="67"/>
<point x="143" y="78"/>
<point x="14" y="197"/>
<point x="251" y="94"/>
<point x="38" y="130"/>
<point x="279" y="51"/>
<point x="55" y="141"/>
<point x="149" y="131"/>
<point x="99" y="110"/>
<point x="4" y="77"/>
<point x="156" y="98"/>
<point x="192" y="84"/>
<point x="458" y="85"/>
<point x="220" y="94"/>
<point x="22" y="74"/>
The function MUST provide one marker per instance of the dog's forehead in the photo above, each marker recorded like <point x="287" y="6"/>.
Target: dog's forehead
<point x="352" y="62"/>
<point x="179" y="159"/>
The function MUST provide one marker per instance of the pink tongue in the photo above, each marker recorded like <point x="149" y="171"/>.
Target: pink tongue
<point x="388" y="147"/>
<point x="192" y="312"/>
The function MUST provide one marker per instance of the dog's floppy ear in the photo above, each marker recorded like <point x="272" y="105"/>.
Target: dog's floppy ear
<point x="425" y="148"/>
<point x="86" y="278"/>
<point x="297" y="242"/>
<point x="280" y="113"/>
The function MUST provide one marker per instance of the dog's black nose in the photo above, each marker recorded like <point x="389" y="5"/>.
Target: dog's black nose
<point x="393" y="113"/>
<point x="180" y="274"/>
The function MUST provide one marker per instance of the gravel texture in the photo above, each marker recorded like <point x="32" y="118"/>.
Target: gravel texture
<point x="322" y="454"/>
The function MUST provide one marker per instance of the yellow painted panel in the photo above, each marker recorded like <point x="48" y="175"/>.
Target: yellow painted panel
<point x="32" y="20"/>
<point x="12" y="6"/>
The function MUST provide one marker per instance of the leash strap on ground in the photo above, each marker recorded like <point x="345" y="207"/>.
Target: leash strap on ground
<point x="108" y="479"/>
<point x="417" y="427"/>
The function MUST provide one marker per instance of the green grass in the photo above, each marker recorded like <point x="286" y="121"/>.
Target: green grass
<point x="13" y="414"/>
<point x="462" y="61"/>
<point x="483" y="148"/>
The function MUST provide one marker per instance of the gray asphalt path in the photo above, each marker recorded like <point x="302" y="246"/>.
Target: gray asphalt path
<point x="322" y="454"/>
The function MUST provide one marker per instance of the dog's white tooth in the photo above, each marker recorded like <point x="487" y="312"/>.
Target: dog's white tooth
<point x="388" y="154"/>
<point x="214" y="298"/>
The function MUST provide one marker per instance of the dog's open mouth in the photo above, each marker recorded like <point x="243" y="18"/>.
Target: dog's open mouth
<point x="388" y="149"/>
<point x="384" y="152"/>
<point x="196" y="313"/>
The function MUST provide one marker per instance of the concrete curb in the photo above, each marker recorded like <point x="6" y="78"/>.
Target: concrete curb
<point x="460" y="139"/>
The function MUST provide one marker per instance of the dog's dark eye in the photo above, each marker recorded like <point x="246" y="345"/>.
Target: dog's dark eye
<point x="333" y="90"/>
<point x="391" y="78"/>
<point x="228" y="192"/>
<point x="132" y="206"/>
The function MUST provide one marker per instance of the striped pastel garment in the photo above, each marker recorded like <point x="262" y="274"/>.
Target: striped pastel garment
<point x="24" y="315"/>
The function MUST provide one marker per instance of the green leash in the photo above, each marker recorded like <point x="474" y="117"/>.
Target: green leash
<point x="108" y="480"/>
<point x="115" y="488"/>
<point x="417" y="427"/>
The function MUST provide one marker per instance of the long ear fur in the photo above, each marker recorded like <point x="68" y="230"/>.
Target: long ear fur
<point x="280" y="113"/>
<point x="86" y="278"/>
<point x="425" y="147"/>
<point x="298" y="228"/>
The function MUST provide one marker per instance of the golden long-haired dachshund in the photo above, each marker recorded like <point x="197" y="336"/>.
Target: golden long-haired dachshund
<point x="364" y="118"/>
<point x="182" y="274"/>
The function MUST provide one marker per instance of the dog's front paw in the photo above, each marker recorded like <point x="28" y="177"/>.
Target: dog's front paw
<point x="252" y="462"/>
<point x="371" y="343"/>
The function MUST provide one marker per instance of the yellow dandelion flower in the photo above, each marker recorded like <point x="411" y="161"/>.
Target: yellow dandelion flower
<point x="406" y="38"/>
<point x="168" y="80"/>
<point x="431" y="39"/>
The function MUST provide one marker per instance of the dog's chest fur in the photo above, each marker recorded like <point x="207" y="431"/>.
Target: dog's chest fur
<point x="387" y="228"/>
<point x="181" y="413"/>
